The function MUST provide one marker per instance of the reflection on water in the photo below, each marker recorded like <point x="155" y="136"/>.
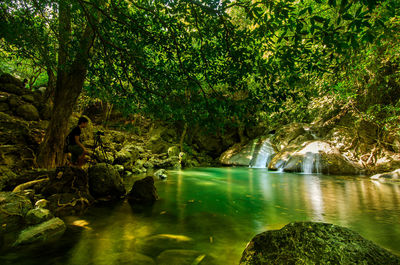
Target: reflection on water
<point x="222" y="209"/>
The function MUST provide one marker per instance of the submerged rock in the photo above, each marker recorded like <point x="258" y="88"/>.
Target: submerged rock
<point x="42" y="233"/>
<point x="314" y="243"/>
<point x="131" y="259"/>
<point x="105" y="181"/>
<point x="143" y="192"/>
<point x="156" y="244"/>
<point x="183" y="257"/>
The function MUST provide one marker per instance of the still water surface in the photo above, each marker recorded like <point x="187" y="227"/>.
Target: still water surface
<point x="222" y="209"/>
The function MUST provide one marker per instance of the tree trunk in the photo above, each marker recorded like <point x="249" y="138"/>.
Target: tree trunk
<point x="183" y="137"/>
<point x="51" y="152"/>
<point x="70" y="79"/>
<point x="51" y="86"/>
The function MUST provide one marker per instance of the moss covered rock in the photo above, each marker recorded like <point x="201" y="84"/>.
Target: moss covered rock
<point x="13" y="209"/>
<point x="314" y="243"/>
<point x="42" y="233"/>
<point x="105" y="181"/>
<point x="28" y="112"/>
<point x="143" y="192"/>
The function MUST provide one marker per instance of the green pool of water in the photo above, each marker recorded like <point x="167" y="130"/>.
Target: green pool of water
<point x="221" y="209"/>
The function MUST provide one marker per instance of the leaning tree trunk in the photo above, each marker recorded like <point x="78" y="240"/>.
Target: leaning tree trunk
<point x="70" y="79"/>
<point x="67" y="92"/>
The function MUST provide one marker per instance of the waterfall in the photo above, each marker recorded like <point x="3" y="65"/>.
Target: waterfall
<point x="311" y="163"/>
<point x="262" y="155"/>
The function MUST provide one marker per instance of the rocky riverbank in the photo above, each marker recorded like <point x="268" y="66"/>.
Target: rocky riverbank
<point x="340" y="149"/>
<point x="34" y="201"/>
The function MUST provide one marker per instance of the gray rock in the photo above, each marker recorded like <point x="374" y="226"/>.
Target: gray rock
<point x="183" y="257"/>
<point x="154" y="245"/>
<point x="38" y="215"/>
<point x="329" y="158"/>
<point x="314" y="243"/>
<point x="28" y="112"/>
<point x="238" y="155"/>
<point x="143" y="192"/>
<point x="42" y="233"/>
<point x="105" y="181"/>
<point x="388" y="176"/>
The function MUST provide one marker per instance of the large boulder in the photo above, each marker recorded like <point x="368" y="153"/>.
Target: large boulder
<point x="13" y="209"/>
<point x="316" y="157"/>
<point x="239" y="155"/>
<point x="126" y="154"/>
<point x="314" y="243"/>
<point x="28" y="112"/>
<point x="290" y="134"/>
<point x="38" y="215"/>
<point x="105" y="182"/>
<point x="46" y="232"/>
<point x="143" y="192"/>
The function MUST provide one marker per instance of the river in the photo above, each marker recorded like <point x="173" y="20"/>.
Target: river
<point x="220" y="209"/>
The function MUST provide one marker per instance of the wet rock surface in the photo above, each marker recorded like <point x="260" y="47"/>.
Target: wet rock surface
<point x="143" y="192"/>
<point x="388" y="176"/>
<point x="105" y="182"/>
<point x="314" y="243"/>
<point x="45" y="232"/>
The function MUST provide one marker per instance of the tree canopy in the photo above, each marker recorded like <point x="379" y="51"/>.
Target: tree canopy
<point x="210" y="63"/>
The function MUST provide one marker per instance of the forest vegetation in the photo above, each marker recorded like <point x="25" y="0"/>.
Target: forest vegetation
<point x="213" y="64"/>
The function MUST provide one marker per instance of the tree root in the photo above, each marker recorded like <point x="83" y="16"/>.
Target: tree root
<point x="29" y="184"/>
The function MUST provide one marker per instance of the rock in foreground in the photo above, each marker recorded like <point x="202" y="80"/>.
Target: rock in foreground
<point x="314" y="243"/>
<point x="42" y="233"/>
<point x="105" y="181"/>
<point x="143" y="192"/>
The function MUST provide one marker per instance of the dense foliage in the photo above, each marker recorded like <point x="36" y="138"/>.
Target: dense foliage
<point x="215" y="63"/>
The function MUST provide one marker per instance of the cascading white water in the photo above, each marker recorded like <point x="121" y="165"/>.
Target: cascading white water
<point x="264" y="155"/>
<point x="311" y="161"/>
